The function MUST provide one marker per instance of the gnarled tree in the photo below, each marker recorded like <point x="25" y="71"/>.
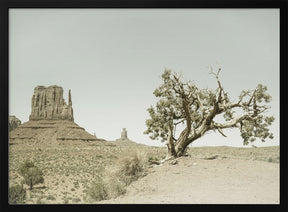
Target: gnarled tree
<point x="183" y="102"/>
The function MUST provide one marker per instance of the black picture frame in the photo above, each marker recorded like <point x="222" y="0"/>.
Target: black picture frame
<point x="6" y="5"/>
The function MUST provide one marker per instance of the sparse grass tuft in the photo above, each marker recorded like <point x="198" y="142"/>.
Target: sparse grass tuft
<point x="50" y="197"/>
<point x="115" y="188"/>
<point x="131" y="168"/>
<point x="98" y="190"/>
<point x="127" y="169"/>
<point x="76" y="200"/>
<point x="17" y="194"/>
<point x="273" y="159"/>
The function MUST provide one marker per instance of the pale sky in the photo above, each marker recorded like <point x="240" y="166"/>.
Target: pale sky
<point x="112" y="60"/>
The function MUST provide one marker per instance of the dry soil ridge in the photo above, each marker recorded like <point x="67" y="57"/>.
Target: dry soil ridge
<point x="200" y="181"/>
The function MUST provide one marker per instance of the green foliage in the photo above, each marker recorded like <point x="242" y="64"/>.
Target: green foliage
<point x="25" y="166"/>
<point x="32" y="174"/>
<point x="182" y="102"/>
<point x="258" y="128"/>
<point x="17" y="194"/>
<point x="169" y="110"/>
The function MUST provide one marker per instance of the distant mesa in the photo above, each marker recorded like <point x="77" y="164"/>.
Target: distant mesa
<point x="51" y="120"/>
<point x="14" y="122"/>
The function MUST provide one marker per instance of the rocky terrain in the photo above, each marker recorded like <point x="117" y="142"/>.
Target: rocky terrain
<point x="51" y="132"/>
<point x="14" y="122"/>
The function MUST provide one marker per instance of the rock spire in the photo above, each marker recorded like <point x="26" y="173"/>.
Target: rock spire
<point x="124" y="134"/>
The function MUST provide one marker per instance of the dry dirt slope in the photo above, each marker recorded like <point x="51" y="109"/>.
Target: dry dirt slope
<point x="201" y="181"/>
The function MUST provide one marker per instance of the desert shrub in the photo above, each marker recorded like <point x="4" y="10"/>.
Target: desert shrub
<point x="115" y="188"/>
<point x="127" y="169"/>
<point x="273" y="159"/>
<point x="32" y="174"/>
<point x="66" y="200"/>
<point x="131" y="168"/>
<point x="50" y="197"/>
<point x="102" y="189"/>
<point x="76" y="200"/>
<point x="98" y="190"/>
<point x="156" y="154"/>
<point x="17" y="194"/>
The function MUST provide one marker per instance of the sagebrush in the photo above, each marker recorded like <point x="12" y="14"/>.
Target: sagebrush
<point x="17" y="194"/>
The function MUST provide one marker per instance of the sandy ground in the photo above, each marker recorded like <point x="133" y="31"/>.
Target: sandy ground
<point x="200" y="181"/>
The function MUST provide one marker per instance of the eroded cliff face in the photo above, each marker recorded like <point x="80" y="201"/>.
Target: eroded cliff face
<point x="48" y="104"/>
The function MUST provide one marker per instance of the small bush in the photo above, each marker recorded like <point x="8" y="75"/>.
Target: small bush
<point x="76" y="200"/>
<point x="128" y="169"/>
<point x="66" y="201"/>
<point x="32" y="174"/>
<point x="131" y="168"/>
<point x="50" y="197"/>
<point x="115" y="188"/>
<point x="273" y="160"/>
<point x="98" y="190"/>
<point x="17" y="194"/>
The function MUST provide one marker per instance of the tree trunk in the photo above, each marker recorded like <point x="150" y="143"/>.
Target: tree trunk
<point x="182" y="144"/>
<point x="181" y="148"/>
<point x="170" y="145"/>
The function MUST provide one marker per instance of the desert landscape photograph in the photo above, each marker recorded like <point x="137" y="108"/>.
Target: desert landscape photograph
<point x="144" y="106"/>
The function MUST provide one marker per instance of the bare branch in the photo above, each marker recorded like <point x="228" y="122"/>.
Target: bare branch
<point x="180" y="121"/>
<point x="233" y="122"/>
<point x="221" y="132"/>
<point x="253" y="95"/>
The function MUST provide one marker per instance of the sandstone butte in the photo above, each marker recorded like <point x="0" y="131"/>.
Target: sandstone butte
<point x="48" y="104"/>
<point x="51" y="120"/>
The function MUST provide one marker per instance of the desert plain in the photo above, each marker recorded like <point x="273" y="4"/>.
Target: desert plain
<point x="206" y="175"/>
